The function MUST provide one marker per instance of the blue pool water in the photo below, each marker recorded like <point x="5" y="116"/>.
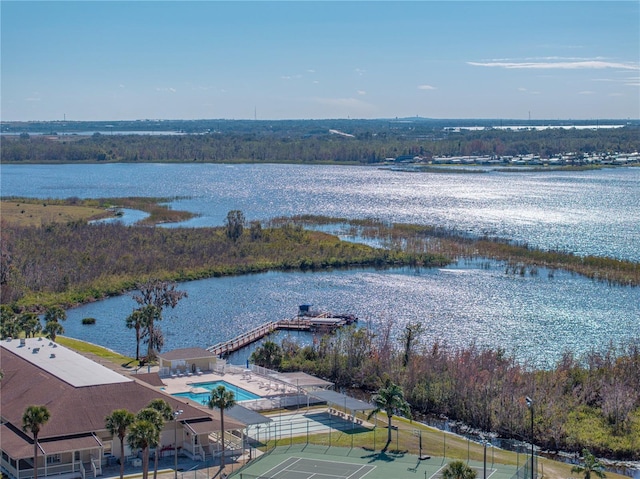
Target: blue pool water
<point x="203" y="398"/>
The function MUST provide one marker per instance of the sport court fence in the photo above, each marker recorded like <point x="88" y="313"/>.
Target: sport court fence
<point x="524" y="472"/>
<point x="330" y="429"/>
<point x="523" y="467"/>
<point x="330" y="452"/>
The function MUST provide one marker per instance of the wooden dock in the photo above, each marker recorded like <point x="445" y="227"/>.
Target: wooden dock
<point x="239" y="342"/>
<point x="323" y="324"/>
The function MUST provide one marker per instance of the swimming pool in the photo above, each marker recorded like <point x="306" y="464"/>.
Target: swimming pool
<point x="203" y="397"/>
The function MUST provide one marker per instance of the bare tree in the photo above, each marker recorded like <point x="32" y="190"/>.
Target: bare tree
<point x="154" y="295"/>
<point x="234" y="224"/>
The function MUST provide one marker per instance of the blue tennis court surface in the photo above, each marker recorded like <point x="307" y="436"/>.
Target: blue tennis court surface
<point x="302" y="468"/>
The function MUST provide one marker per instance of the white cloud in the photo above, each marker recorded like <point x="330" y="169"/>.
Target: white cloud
<point x="311" y="71"/>
<point x="362" y="92"/>
<point x="560" y="65"/>
<point x="530" y="92"/>
<point x="359" y="71"/>
<point x="166" y="89"/>
<point x="426" y="87"/>
<point x="586" y="92"/>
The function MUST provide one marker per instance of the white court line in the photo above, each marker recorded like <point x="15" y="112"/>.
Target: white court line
<point x="295" y="459"/>
<point x="371" y="468"/>
<point x="332" y="462"/>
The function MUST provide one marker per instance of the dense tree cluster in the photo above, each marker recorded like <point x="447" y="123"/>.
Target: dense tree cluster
<point x="366" y="143"/>
<point x="582" y="402"/>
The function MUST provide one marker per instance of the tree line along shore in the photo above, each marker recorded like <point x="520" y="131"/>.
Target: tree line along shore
<point x="591" y="401"/>
<point x="353" y="142"/>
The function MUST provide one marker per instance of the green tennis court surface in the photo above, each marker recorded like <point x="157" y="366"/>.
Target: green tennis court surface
<point x="301" y="468"/>
<point x="322" y="462"/>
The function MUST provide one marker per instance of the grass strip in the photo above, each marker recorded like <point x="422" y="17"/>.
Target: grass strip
<point x="90" y="349"/>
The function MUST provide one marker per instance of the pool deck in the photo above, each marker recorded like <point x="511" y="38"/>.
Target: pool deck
<point x="259" y="385"/>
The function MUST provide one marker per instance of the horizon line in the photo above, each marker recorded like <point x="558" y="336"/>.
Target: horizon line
<point x="405" y="118"/>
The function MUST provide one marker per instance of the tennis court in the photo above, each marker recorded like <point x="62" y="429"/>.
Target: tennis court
<point x="302" y="468"/>
<point x="322" y="462"/>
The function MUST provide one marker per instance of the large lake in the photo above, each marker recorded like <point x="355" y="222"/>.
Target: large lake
<point x="536" y="318"/>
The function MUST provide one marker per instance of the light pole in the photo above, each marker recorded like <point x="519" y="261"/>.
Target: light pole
<point x="485" y="443"/>
<point x="175" y="440"/>
<point x="530" y="406"/>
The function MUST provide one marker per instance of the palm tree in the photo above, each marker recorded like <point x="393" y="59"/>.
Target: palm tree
<point x="143" y="434"/>
<point x="52" y="329"/>
<point x="458" y="470"/>
<point x="590" y="465"/>
<point x="223" y="400"/>
<point x="30" y="324"/>
<point x="153" y="296"/>
<point x="269" y="355"/>
<point x="55" y="313"/>
<point x="117" y="423"/>
<point x="391" y="400"/>
<point x="136" y="320"/>
<point x="33" y="419"/>
<point x="166" y="414"/>
<point x="143" y="321"/>
<point x="52" y="318"/>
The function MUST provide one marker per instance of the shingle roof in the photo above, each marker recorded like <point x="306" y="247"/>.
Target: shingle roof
<point x="15" y="442"/>
<point x="77" y="410"/>
<point x="153" y="379"/>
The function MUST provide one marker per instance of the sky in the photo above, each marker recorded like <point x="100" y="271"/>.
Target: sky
<point x="126" y="60"/>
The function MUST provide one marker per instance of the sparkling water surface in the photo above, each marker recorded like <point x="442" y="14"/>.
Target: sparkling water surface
<point x="587" y="212"/>
<point x="536" y="318"/>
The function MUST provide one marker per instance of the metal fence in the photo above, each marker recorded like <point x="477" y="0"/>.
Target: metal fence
<point x="525" y="472"/>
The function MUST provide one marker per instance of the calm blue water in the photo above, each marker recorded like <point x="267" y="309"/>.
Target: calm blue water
<point x="203" y="398"/>
<point x="536" y="318"/>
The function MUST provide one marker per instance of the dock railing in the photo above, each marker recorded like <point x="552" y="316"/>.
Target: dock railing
<point x="244" y="339"/>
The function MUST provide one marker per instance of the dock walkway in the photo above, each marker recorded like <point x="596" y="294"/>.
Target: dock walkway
<point x="324" y="324"/>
